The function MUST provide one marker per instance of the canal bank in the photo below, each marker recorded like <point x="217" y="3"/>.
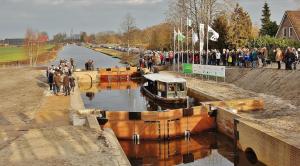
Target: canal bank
<point x="35" y="127"/>
<point x="131" y="59"/>
<point x="257" y="131"/>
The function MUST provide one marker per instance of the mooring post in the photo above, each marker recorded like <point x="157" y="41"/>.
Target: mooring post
<point x="136" y="139"/>
<point x="187" y="134"/>
<point x="236" y="139"/>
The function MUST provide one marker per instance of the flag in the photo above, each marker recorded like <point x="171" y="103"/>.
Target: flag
<point x="189" y="22"/>
<point x="175" y="34"/>
<point x="195" y="37"/>
<point x="201" y="37"/>
<point x="214" y="36"/>
<point x="180" y="36"/>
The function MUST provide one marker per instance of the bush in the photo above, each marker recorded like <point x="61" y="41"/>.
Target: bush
<point x="273" y="43"/>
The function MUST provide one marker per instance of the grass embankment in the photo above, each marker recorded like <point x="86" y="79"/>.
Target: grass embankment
<point x="131" y="59"/>
<point x="18" y="54"/>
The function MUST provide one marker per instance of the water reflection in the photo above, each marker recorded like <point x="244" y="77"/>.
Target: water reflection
<point x="198" y="150"/>
<point x="123" y="96"/>
<point x="207" y="149"/>
<point x="90" y="95"/>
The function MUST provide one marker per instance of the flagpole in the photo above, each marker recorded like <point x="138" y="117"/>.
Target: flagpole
<point x="207" y="35"/>
<point x="174" y="48"/>
<point x="193" y="46"/>
<point x="181" y="43"/>
<point x="187" y="40"/>
<point x="178" y="54"/>
<point x="200" y="52"/>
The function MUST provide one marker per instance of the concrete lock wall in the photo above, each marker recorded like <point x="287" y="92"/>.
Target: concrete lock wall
<point x="268" y="149"/>
<point x="86" y="76"/>
<point x="156" y="125"/>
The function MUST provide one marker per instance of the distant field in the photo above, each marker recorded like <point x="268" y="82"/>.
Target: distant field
<point x="9" y="54"/>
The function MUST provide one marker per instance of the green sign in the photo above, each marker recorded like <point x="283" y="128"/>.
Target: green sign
<point x="187" y="68"/>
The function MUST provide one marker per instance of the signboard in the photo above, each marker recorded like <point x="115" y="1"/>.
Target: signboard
<point x="217" y="71"/>
<point x="187" y="68"/>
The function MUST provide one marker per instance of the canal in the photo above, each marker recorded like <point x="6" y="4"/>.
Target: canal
<point x="206" y="149"/>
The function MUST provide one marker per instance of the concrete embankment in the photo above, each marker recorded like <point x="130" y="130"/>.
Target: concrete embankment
<point x="281" y="83"/>
<point x="35" y="127"/>
<point x="112" y="150"/>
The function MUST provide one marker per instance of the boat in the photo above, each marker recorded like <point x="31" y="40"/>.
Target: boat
<point x="165" y="88"/>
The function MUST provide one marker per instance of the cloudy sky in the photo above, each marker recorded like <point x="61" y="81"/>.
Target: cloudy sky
<point x="93" y="16"/>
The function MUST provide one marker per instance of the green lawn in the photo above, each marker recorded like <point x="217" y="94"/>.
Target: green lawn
<point x="9" y="54"/>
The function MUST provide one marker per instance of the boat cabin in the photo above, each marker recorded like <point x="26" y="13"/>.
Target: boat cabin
<point x="166" y="86"/>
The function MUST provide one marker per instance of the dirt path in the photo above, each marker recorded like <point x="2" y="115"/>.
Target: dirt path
<point x="35" y="128"/>
<point x="279" y="116"/>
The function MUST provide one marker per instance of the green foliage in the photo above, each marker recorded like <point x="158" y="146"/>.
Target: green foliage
<point x="221" y="26"/>
<point x="268" y="27"/>
<point x="266" y="14"/>
<point x="60" y="37"/>
<point x="272" y="42"/>
<point x="240" y="28"/>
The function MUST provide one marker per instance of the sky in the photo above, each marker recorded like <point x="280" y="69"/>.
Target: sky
<point x="94" y="16"/>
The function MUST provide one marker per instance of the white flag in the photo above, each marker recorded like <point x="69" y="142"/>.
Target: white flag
<point x="201" y="37"/>
<point x="175" y="34"/>
<point x="195" y="38"/>
<point x="189" y="22"/>
<point x="215" y="35"/>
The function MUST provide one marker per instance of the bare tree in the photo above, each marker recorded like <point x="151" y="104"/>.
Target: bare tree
<point x="199" y="11"/>
<point x="128" y="26"/>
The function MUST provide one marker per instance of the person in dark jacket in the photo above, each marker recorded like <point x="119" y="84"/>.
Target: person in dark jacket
<point x="289" y="59"/>
<point x="66" y="84"/>
<point x="51" y="78"/>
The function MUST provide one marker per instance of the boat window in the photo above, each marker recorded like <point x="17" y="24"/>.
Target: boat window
<point x="171" y="87"/>
<point x="180" y="87"/>
<point x="162" y="87"/>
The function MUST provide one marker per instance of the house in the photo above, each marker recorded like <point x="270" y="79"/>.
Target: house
<point x="15" y="42"/>
<point x="290" y="26"/>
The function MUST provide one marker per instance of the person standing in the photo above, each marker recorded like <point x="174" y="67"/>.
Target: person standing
<point x="278" y="57"/>
<point x="57" y="83"/>
<point x="51" y="78"/>
<point x="229" y="59"/>
<point x="66" y="84"/>
<point x="72" y="83"/>
<point x="218" y="57"/>
<point x="72" y="62"/>
<point x="254" y="58"/>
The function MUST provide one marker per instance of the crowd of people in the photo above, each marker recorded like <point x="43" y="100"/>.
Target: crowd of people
<point x="153" y="58"/>
<point x="60" y="77"/>
<point x="89" y="65"/>
<point x="244" y="57"/>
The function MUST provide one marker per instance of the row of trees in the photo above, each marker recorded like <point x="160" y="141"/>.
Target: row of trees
<point x="35" y="41"/>
<point x="158" y="37"/>
<point x="227" y="17"/>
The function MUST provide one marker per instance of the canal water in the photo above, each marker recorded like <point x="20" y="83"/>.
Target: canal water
<point x="126" y="96"/>
<point x="81" y="55"/>
<point x="207" y="149"/>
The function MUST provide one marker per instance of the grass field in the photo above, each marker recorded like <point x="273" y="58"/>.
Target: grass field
<point x="9" y="54"/>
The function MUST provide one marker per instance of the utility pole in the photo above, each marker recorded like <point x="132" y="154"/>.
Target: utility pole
<point x="128" y="29"/>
